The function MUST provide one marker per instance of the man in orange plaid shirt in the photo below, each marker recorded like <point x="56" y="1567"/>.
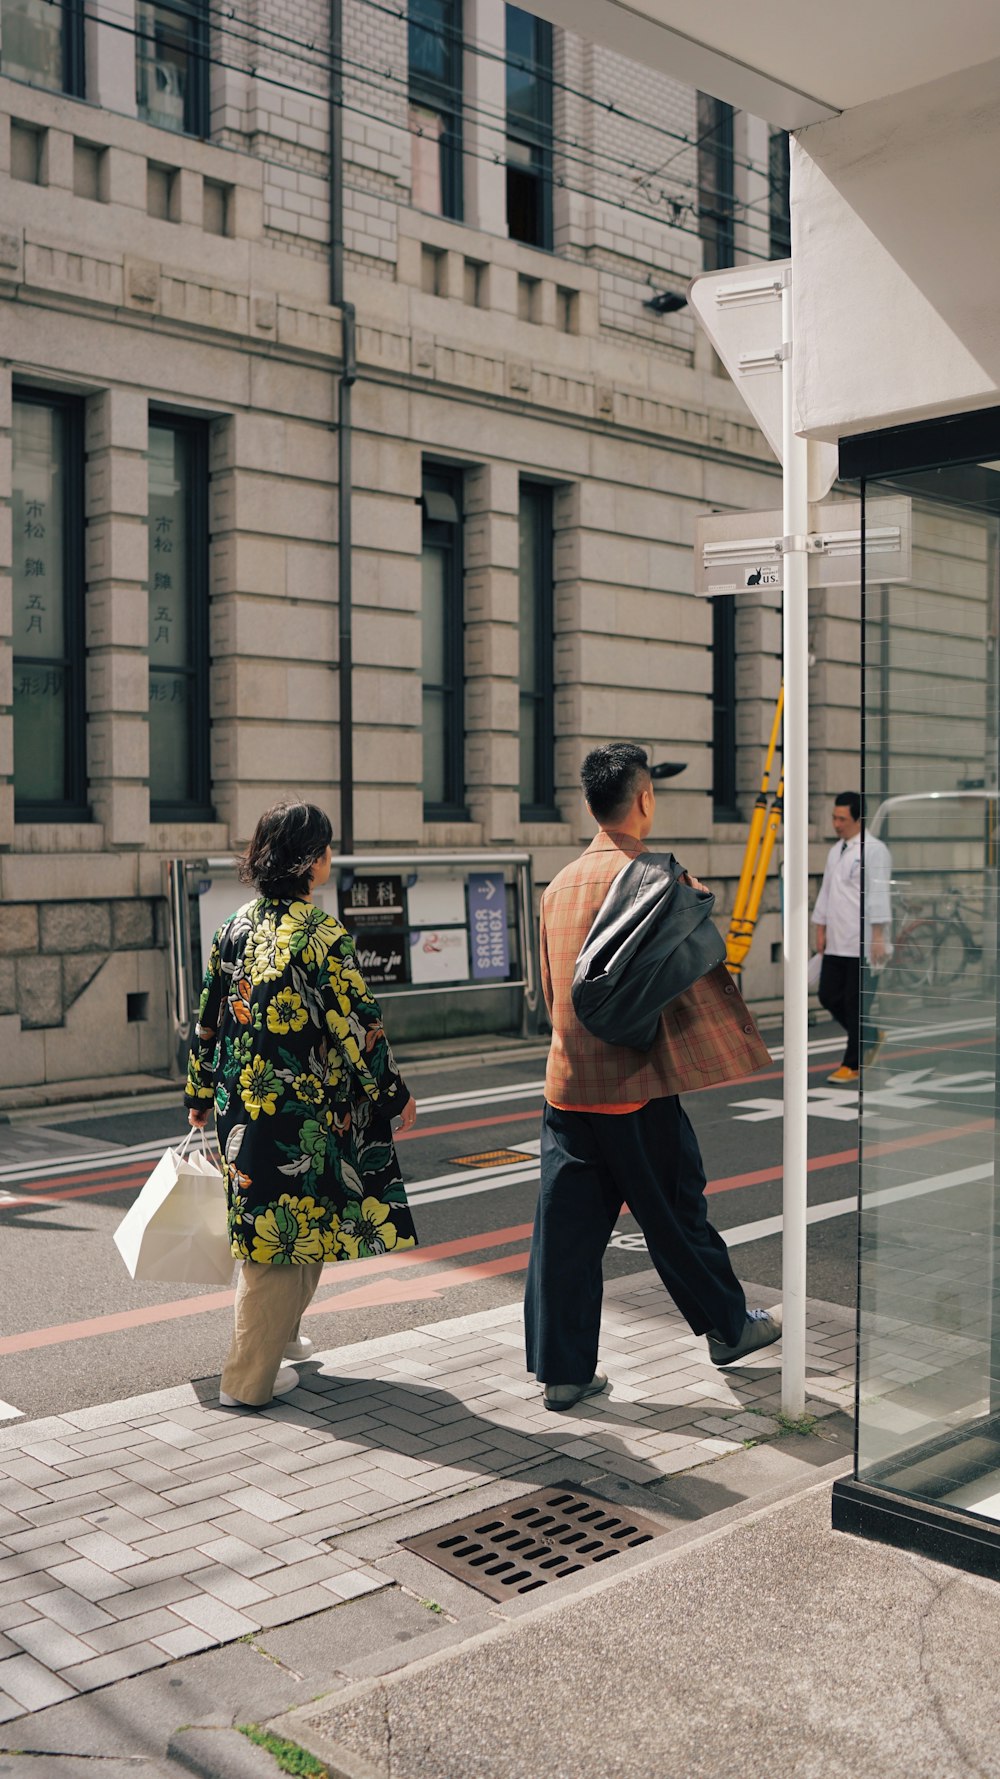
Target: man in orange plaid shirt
<point x="613" y="1129"/>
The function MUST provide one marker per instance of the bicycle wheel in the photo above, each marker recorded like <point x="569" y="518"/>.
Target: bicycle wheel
<point x="913" y="958"/>
<point x="951" y="953"/>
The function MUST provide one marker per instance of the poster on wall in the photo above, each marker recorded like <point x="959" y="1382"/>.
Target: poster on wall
<point x="439" y="954"/>
<point x="436" y="901"/>
<point x="382" y="958"/>
<point x="369" y="903"/>
<point x="488" y="926"/>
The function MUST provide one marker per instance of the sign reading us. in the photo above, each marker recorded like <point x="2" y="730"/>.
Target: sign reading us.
<point x="488" y="926"/>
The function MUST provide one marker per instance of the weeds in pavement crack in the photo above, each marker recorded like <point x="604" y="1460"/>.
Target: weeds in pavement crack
<point x="290" y="1756"/>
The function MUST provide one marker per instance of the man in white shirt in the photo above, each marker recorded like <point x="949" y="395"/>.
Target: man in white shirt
<point x="837" y="919"/>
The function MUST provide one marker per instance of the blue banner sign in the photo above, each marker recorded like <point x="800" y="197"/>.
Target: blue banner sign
<point x="488" y="936"/>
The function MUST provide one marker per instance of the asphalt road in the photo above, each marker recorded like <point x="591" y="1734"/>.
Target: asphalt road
<point x="76" y="1330"/>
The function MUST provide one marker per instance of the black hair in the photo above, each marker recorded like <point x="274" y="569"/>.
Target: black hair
<point x="849" y="800"/>
<point x="610" y="778"/>
<point x="286" y="843"/>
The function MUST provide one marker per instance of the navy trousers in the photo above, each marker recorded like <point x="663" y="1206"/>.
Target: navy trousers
<point x="592" y="1163"/>
<point x="844" y="982"/>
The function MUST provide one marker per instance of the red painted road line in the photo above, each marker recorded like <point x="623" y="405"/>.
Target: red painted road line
<point x="135" y="1173"/>
<point x="119" y="1179"/>
<point x="427" y="1285"/>
<point x="846" y="1156"/>
<point x="354" y="1296"/>
<point x="437" y="1130"/>
<point x="213" y="1300"/>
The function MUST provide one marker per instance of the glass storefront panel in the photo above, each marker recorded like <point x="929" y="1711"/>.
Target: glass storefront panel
<point x="929" y="1309"/>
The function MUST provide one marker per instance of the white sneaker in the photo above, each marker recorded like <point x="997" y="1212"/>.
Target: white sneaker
<point x="303" y="1348"/>
<point x="286" y="1380"/>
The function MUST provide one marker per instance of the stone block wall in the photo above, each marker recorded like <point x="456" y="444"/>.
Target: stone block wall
<point x="474" y="352"/>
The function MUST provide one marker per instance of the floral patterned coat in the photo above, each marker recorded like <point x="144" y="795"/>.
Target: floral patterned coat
<point x="304" y="1086"/>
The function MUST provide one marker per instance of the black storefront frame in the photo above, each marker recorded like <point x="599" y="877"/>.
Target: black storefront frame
<point x="198" y="806"/>
<point x="542" y="806"/>
<point x="952" y="446"/>
<point x="73" y="807"/>
<point x="446" y="535"/>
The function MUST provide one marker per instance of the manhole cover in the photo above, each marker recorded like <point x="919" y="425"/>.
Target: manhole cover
<point x="528" y="1542"/>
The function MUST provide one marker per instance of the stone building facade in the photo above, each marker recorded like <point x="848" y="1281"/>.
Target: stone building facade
<point x="169" y="367"/>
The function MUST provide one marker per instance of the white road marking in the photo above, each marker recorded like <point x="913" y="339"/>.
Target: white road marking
<point x="741" y="1233"/>
<point x="9" y="1413"/>
<point x="907" y="1091"/>
<point x="124" y="1155"/>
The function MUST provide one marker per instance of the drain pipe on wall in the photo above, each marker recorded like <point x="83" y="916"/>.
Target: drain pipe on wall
<point x="345" y="384"/>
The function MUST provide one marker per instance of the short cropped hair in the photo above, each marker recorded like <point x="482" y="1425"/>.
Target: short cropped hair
<point x="849" y="800"/>
<point x="286" y="843"/>
<point x="611" y="776"/>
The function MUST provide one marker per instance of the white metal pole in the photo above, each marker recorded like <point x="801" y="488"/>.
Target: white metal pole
<point x="795" y="503"/>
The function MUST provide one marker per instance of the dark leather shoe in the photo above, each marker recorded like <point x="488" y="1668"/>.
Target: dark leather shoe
<point x="561" y="1396"/>
<point x="760" y="1329"/>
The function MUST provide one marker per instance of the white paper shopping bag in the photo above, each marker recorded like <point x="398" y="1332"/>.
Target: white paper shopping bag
<point x="176" y="1228"/>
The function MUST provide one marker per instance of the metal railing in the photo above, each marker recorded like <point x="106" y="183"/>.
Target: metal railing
<point x="180" y="872"/>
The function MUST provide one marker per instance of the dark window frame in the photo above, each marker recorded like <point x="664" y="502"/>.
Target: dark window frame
<point x="535" y="135"/>
<point x="724" y="785"/>
<point x="448" y="535"/>
<point x="716" y="182"/>
<point x="74" y="51"/>
<point x="542" y="808"/>
<point x="446" y="98"/>
<point x="199" y="806"/>
<point x="778" y="178"/>
<point x="73" y="71"/>
<point x="197" y="100"/>
<point x="73" y="807"/>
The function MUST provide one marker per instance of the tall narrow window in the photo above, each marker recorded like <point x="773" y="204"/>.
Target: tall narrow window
<point x="179" y="766"/>
<point x="536" y="619"/>
<point x="172" y="64"/>
<point x="49" y="711"/>
<point x="724" y="710"/>
<point x="716" y="184"/>
<point x="529" y="128"/>
<point x="43" y="43"/>
<point x="778" y="184"/>
<point x="435" y="56"/>
<point x="443" y="649"/>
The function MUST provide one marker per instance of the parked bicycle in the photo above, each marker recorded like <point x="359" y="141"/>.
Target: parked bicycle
<point x="933" y="946"/>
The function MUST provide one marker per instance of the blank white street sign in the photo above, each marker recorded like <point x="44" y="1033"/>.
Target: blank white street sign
<point x="738" y="552"/>
<point x="737" y="309"/>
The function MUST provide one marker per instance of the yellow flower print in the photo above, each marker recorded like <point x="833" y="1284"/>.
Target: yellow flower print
<point x="365" y="1229"/>
<point x="308" y="933"/>
<point x="290" y="1232"/>
<point x="339" y="1028"/>
<point x="308" y="1090"/>
<point x="286" y="1012"/>
<point x="268" y="955"/>
<point x="347" y="983"/>
<point x="259" y="1088"/>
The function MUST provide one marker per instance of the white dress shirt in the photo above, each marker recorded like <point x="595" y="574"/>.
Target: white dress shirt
<point x="838" y="905"/>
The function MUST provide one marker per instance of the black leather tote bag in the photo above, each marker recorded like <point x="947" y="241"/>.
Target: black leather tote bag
<point x="652" y="937"/>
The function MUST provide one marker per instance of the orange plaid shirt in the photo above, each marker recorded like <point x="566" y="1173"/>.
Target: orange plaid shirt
<point x="707" y="1035"/>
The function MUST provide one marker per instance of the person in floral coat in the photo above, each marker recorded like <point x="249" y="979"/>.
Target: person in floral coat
<point x="291" y="1051"/>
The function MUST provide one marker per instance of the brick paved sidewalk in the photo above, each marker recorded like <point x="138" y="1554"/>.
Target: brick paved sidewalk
<point x="139" y="1531"/>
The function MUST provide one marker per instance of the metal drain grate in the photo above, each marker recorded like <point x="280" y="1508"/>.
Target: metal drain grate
<point x="528" y="1542"/>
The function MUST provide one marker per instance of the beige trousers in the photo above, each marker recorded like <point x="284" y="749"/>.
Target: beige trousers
<point x="270" y="1301"/>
